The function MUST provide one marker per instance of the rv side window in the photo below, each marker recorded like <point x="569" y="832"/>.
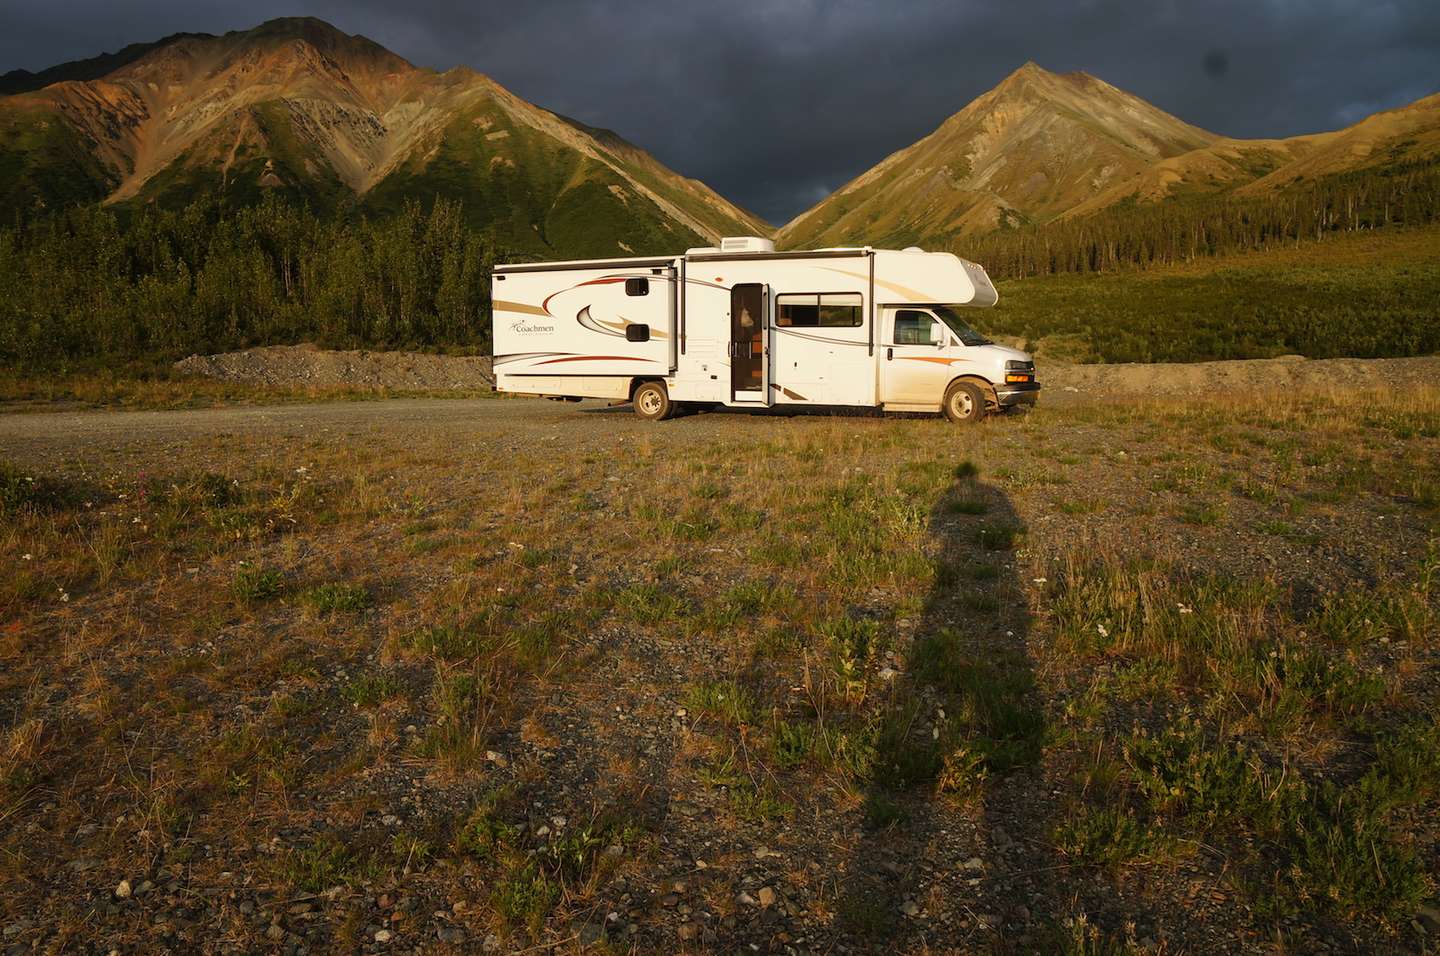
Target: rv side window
<point x="834" y="310"/>
<point x="913" y="327"/>
<point x="637" y="286"/>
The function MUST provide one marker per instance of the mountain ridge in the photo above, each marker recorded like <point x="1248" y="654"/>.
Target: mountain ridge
<point x="297" y="105"/>
<point x="1043" y="146"/>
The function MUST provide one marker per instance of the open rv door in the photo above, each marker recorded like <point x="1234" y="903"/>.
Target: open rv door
<point x="749" y="343"/>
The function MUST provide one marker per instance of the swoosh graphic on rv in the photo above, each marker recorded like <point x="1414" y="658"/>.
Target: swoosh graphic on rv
<point x="520" y="307"/>
<point x="912" y="295"/>
<point x="603" y="280"/>
<point x="507" y="357"/>
<point x="609" y="328"/>
<point x="815" y="338"/>
<point x="932" y="358"/>
<point x="597" y="358"/>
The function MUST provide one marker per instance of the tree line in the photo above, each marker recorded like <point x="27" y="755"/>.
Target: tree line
<point x="1144" y="235"/>
<point x="90" y="283"/>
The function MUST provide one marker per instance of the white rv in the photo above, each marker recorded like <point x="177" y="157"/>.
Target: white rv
<point x="745" y="326"/>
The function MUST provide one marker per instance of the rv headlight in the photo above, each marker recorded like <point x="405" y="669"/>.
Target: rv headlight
<point x="1018" y="372"/>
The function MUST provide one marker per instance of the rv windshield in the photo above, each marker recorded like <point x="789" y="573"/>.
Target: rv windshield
<point x="957" y="325"/>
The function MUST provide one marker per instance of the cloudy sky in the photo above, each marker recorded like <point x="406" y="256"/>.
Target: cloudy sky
<point x="777" y="103"/>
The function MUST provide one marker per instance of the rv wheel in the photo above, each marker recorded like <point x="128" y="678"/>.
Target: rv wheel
<point x="653" y="402"/>
<point x="964" y="402"/>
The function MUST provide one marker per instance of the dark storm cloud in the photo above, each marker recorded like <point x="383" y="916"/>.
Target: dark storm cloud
<point x="777" y="103"/>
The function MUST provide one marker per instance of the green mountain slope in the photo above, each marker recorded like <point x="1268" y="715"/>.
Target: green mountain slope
<point x="297" y="108"/>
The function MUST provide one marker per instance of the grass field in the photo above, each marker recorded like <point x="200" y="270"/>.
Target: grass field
<point x="151" y="386"/>
<point x="1100" y="679"/>
<point x="1369" y="294"/>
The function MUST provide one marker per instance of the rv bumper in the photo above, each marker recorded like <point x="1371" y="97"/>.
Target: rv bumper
<point x="1009" y="396"/>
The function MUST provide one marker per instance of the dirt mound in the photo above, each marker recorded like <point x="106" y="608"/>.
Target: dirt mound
<point x="306" y="365"/>
<point x="1290" y="373"/>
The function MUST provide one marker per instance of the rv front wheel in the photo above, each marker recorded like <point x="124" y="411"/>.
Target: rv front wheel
<point x="964" y="402"/>
<point x="652" y="401"/>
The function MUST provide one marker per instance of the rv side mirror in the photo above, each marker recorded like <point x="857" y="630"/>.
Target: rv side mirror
<point x="937" y="334"/>
<point x="637" y="333"/>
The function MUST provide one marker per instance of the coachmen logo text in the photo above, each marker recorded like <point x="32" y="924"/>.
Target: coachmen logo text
<point x="520" y="325"/>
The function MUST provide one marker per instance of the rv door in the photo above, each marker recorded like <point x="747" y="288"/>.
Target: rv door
<point x="749" y="333"/>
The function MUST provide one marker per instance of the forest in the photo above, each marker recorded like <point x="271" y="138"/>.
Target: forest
<point x="88" y="285"/>
<point x="1135" y="235"/>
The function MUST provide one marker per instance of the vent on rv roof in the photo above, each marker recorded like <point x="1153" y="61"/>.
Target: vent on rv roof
<point x="746" y="244"/>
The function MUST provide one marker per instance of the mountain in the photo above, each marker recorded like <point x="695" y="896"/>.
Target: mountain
<point x="1043" y="146"/>
<point x="297" y="107"/>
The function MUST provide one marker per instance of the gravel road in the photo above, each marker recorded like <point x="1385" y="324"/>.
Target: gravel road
<point x="64" y="435"/>
<point x="60" y="436"/>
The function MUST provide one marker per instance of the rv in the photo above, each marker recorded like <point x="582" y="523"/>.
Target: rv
<point x="743" y="326"/>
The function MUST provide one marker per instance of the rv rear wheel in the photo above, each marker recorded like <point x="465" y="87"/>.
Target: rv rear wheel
<point x="964" y="402"/>
<point x="652" y="401"/>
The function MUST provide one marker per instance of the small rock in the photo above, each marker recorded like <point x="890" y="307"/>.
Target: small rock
<point x="144" y="888"/>
<point x="687" y="931"/>
<point x="766" y="895"/>
<point x="491" y="944"/>
<point x="384" y="936"/>
<point x="669" y="900"/>
<point x="497" y="758"/>
<point x="974" y="864"/>
<point x="745" y="899"/>
<point x="679" y="887"/>
<point x="123" y="891"/>
<point x="389" y="819"/>
<point x="276" y="932"/>
<point x="910" y="908"/>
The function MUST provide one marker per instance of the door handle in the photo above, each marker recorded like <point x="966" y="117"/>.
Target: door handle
<point x="889" y="355"/>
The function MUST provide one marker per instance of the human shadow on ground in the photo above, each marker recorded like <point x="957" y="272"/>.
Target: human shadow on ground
<point x="955" y="851"/>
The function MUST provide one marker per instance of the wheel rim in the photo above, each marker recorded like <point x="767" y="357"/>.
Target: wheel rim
<point x="961" y="404"/>
<point x="650" y="402"/>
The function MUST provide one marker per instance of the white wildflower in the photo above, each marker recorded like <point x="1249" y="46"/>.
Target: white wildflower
<point x="1185" y="610"/>
<point x="1101" y="629"/>
<point x="26" y="557"/>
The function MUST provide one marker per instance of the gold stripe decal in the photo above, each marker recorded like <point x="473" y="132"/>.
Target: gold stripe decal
<point x="520" y="307"/>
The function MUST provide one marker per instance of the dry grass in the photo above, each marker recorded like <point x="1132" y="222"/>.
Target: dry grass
<point x="144" y="387"/>
<point x="1154" y="645"/>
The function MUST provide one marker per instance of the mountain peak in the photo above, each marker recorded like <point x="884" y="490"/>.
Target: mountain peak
<point x="1032" y="148"/>
<point x="1029" y="68"/>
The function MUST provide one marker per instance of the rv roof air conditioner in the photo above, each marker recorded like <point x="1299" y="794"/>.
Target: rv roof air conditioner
<point x="746" y="244"/>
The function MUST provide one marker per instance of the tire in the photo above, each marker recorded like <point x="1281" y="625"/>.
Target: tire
<point x="652" y="402"/>
<point x="964" y="403"/>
